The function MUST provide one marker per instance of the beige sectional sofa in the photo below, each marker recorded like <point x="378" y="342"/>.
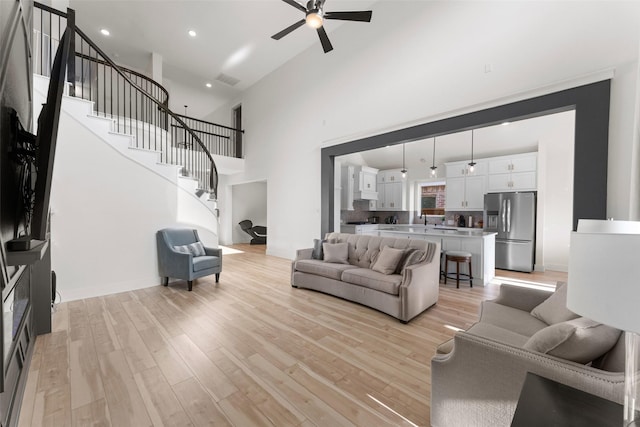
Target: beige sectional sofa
<point x="476" y="377"/>
<point x="404" y="293"/>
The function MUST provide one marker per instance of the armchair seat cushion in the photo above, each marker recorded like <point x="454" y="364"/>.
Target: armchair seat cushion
<point x="387" y="283"/>
<point x="320" y="268"/>
<point x="518" y="321"/>
<point x="496" y="333"/>
<point x="205" y="262"/>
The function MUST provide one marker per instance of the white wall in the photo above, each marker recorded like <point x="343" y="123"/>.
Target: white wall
<point x="249" y="202"/>
<point x="417" y="61"/>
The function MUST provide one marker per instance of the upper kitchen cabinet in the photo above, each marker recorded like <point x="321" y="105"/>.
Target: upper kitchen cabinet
<point x="392" y="191"/>
<point x="459" y="169"/>
<point x="365" y="187"/>
<point x="517" y="172"/>
<point x="391" y="175"/>
<point x="465" y="188"/>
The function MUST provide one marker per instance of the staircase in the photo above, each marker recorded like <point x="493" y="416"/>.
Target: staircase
<point x="125" y="167"/>
<point x="106" y="129"/>
<point x="135" y="104"/>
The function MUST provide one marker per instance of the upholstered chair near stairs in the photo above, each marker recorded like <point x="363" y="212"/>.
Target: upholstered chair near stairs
<point x="182" y="255"/>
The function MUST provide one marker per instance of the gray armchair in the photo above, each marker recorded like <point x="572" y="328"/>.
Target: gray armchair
<point x="179" y="256"/>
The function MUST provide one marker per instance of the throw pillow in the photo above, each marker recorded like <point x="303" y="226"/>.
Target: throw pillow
<point x="387" y="260"/>
<point x="580" y="340"/>
<point x="554" y="309"/>
<point x="195" y="249"/>
<point x="182" y="249"/>
<point x="317" y="248"/>
<point x="411" y="256"/>
<point x="407" y="253"/>
<point x="336" y="252"/>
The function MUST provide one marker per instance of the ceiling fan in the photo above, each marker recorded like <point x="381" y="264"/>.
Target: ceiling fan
<point x="314" y="17"/>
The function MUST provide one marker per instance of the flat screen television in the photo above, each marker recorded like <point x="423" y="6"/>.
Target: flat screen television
<point x="46" y="138"/>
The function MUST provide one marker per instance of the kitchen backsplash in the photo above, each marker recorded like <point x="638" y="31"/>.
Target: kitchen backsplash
<point x="362" y="213"/>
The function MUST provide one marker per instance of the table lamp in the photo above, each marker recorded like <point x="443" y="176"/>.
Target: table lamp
<point x="604" y="285"/>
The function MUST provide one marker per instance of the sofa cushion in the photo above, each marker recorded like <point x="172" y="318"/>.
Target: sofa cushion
<point x="519" y="321"/>
<point x="387" y="283"/>
<point x="497" y="333"/>
<point x="204" y="262"/>
<point x="387" y="260"/>
<point x="554" y="309"/>
<point x="336" y="252"/>
<point x="580" y="340"/>
<point x="322" y="268"/>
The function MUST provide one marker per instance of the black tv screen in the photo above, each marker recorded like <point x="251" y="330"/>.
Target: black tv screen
<point x="46" y="141"/>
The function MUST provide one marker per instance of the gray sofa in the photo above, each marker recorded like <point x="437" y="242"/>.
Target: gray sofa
<point x="402" y="296"/>
<point x="476" y="376"/>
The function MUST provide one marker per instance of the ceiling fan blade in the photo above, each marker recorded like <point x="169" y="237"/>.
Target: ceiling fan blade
<point x="287" y="30"/>
<point x="324" y="39"/>
<point x="363" y="16"/>
<point x="296" y="5"/>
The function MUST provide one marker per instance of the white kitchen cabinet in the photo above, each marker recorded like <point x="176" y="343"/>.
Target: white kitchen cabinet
<point x="346" y="180"/>
<point x="392" y="191"/>
<point x="465" y="189"/>
<point x="457" y="169"/>
<point x="390" y="175"/>
<point x="527" y="162"/>
<point x="455" y="194"/>
<point x="365" y="187"/>
<point x="513" y="182"/>
<point x="513" y="173"/>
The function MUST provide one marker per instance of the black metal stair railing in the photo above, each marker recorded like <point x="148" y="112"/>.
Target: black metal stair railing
<point x="137" y="105"/>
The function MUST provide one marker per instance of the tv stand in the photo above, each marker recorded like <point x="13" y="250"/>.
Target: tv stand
<point x="24" y="243"/>
<point x="28" y="256"/>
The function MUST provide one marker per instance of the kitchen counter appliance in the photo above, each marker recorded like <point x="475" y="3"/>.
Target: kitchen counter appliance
<point x="513" y="217"/>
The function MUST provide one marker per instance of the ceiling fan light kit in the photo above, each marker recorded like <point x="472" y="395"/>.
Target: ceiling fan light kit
<point x="315" y="16"/>
<point x="314" y="19"/>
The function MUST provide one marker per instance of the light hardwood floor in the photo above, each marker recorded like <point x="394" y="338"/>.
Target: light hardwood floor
<point x="249" y="351"/>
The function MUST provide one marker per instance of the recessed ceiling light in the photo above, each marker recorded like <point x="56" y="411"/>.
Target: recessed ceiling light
<point x="208" y="85"/>
<point x="192" y="33"/>
<point x="105" y="32"/>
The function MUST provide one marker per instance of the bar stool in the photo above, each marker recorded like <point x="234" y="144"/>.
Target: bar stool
<point x="459" y="257"/>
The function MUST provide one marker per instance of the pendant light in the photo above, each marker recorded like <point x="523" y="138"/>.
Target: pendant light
<point x="471" y="163"/>
<point x="404" y="169"/>
<point x="433" y="162"/>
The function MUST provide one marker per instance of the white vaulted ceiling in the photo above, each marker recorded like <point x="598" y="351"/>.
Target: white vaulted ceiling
<point x="233" y="37"/>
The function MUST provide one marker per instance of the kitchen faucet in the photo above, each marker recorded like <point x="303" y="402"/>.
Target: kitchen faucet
<point x="425" y="219"/>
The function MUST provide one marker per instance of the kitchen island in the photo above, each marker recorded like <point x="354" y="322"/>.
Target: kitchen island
<point x="479" y="243"/>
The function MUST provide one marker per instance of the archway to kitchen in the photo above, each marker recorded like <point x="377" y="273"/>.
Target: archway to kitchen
<point x="590" y="102"/>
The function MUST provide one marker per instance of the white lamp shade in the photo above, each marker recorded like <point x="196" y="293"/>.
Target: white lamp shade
<point x="604" y="273"/>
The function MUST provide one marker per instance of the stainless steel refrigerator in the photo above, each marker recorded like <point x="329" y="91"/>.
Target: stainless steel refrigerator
<point x="513" y="217"/>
